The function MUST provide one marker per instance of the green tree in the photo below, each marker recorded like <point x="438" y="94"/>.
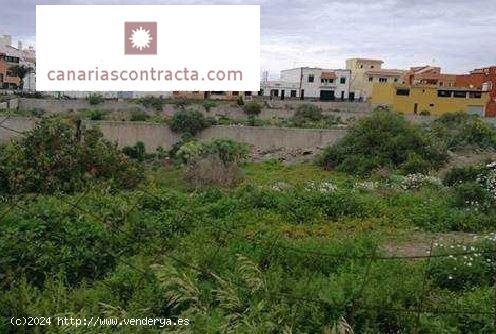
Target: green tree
<point x="21" y="71"/>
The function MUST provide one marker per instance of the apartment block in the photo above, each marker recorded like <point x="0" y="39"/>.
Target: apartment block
<point x="429" y="99"/>
<point x="310" y="83"/>
<point x="429" y="75"/>
<point x="8" y="80"/>
<point x="365" y="73"/>
<point x="484" y="79"/>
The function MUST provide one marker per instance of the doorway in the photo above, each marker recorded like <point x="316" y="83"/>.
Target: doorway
<point x="327" y="95"/>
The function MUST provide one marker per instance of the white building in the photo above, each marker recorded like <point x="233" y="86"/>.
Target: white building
<point x="311" y="83"/>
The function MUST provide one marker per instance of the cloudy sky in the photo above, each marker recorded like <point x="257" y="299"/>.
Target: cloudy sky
<point x="457" y="35"/>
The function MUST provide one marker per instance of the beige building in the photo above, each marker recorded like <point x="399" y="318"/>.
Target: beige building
<point x="365" y="72"/>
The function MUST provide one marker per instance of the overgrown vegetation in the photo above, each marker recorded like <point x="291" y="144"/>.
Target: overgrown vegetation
<point x="239" y="247"/>
<point x="384" y="140"/>
<point x="188" y="121"/>
<point x="215" y="162"/>
<point x="95" y="99"/>
<point x="462" y="131"/>
<point x="54" y="157"/>
<point x="235" y="259"/>
<point x="152" y="102"/>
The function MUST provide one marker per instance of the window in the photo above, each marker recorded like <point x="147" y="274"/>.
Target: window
<point x="274" y="92"/>
<point x="235" y="93"/>
<point x="361" y="66"/>
<point x="247" y="93"/>
<point x="217" y="92"/>
<point x="403" y="92"/>
<point x="444" y="93"/>
<point x="293" y="93"/>
<point x="475" y="95"/>
<point x="371" y="79"/>
<point x="342" y="80"/>
<point x="1" y="77"/>
<point x="9" y="73"/>
<point x="395" y="79"/>
<point x="371" y="66"/>
<point x="382" y="80"/>
<point x="311" y="78"/>
<point x="260" y="92"/>
<point x="460" y="94"/>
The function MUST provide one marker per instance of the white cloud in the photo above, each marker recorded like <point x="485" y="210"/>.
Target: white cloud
<point x="458" y="35"/>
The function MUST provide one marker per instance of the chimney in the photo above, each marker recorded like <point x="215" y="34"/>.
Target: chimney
<point x="19" y="45"/>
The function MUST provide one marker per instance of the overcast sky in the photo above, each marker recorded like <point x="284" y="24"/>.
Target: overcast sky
<point x="458" y="35"/>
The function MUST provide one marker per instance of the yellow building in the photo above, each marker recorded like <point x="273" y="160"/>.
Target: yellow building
<point x="365" y="73"/>
<point x="429" y="100"/>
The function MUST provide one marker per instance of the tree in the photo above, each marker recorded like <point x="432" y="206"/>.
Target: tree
<point x="21" y="71"/>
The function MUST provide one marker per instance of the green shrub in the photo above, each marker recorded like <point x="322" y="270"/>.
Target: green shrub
<point x="95" y="99"/>
<point x="54" y="157"/>
<point x="460" y="130"/>
<point x="252" y="108"/>
<point x="308" y="112"/>
<point x="94" y="114"/>
<point x="137" y="152"/>
<point x="383" y="139"/>
<point x="188" y="121"/>
<point x="214" y="162"/>
<point x="458" y="175"/>
<point x="472" y="194"/>
<point x="139" y="116"/>
<point x="239" y="101"/>
<point x="209" y="104"/>
<point x="152" y="102"/>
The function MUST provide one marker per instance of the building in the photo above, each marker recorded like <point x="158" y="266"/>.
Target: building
<point x="485" y="79"/>
<point x="310" y="83"/>
<point x="429" y="75"/>
<point x="280" y="89"/>
<point x="5" y="40"/>
<point x="429" y="99"/>
<point x="11" y="57"/>
<point x="365" y="73"/>
<point x="8" y="80"/>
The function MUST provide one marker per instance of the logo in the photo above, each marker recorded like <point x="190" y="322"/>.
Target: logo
<point x="140" y="38"/>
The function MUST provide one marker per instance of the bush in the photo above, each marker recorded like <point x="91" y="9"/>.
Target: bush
<point x="239" y="101"/>
<point x="460" y="130"/>
<point x="252" y="108"/>
<point x="152" y="102"/>
<point x="308" y="112"/>
<point x="209" y="104"/>
<point x="188" y="121"/>
<point x="94" y="114"/>
<point x="458" y="175"/>
<point x="472" y="194"/>
<point x="54" y="157"/>
<point x="137" y="152"/>
<point x="383" y="139"/>
<point x="139" y="116"/>
<point x="214" y="162"/>
<point x="95" y="99"/>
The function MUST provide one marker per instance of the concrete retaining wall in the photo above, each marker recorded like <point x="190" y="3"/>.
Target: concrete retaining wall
<point x="58" y="106"/>
<point x="159" y="135"/>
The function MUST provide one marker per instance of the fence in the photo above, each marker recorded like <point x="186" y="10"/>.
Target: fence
<point x="351" y="310"/>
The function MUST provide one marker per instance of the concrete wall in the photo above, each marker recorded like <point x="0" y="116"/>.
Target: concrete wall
<point x="159" y="135"/>
<point x="59" y="106"/>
